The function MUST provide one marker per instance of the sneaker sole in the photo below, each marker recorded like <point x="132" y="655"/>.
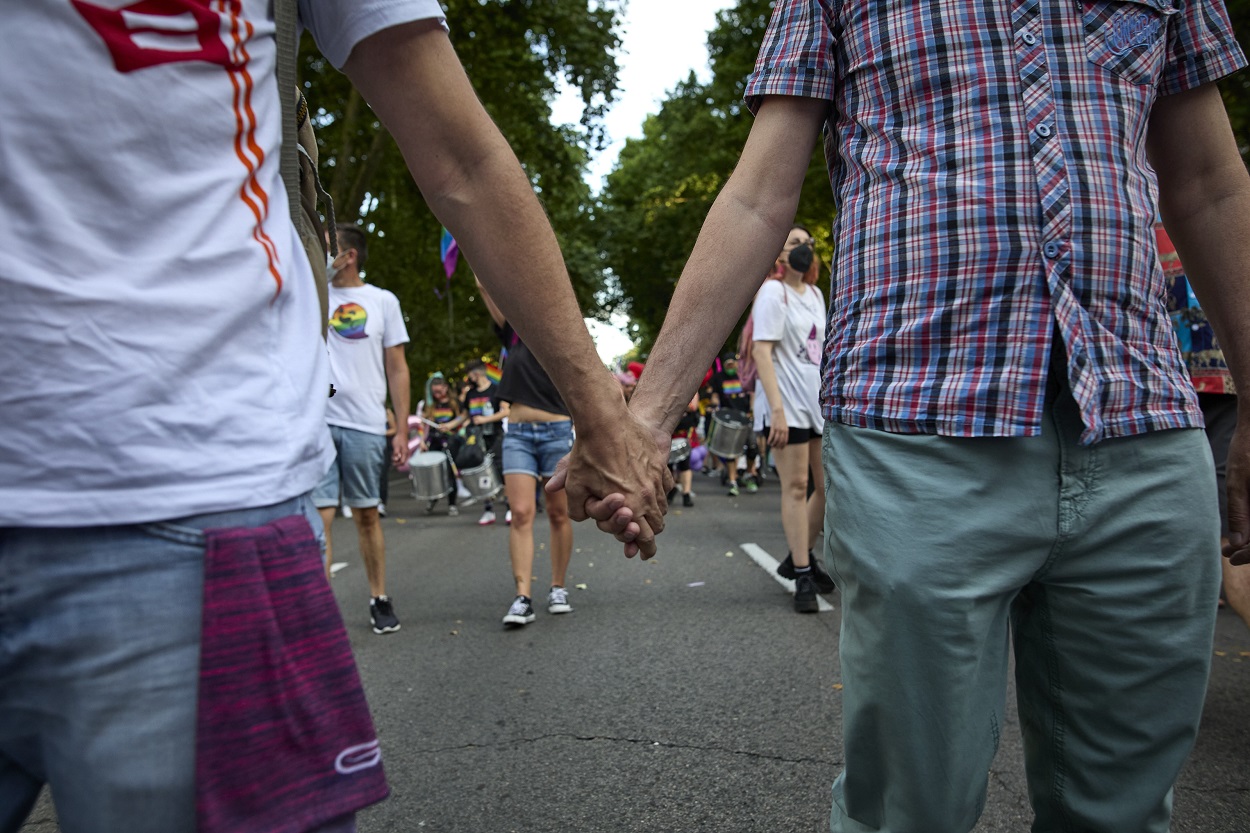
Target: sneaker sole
<point x="806" y="606"/>
<point x="390" y="629"/>
<point x="485" y="523"/>
<point x="518" y="620"/>
<point x="558" y="609"/>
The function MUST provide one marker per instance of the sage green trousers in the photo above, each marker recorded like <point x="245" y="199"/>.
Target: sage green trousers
<point x="1098" y="566"/>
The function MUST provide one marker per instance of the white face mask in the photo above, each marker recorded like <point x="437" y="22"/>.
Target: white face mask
<point x="331" y="270"/>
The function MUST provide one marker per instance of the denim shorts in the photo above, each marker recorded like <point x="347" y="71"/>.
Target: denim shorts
<point x="534" y="448"/>
<point x="99" y="666"/>
<point x="356" y="473"/>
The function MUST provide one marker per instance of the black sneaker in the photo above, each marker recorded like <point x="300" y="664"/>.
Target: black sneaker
<point x="824" y="581"/>
<point x="382" y="615"/>
<point x="687" y="499"/>
<point x="805" y="595"/>
<point x="520" y="613"/>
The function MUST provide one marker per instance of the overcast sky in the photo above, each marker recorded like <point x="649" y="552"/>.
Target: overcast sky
<point x="663" y="41"/>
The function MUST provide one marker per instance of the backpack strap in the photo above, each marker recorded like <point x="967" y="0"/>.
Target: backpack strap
<point x="286" y="19"/>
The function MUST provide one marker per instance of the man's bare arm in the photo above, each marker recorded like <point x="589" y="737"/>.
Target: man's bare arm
<point x="474" y="184"/>
<point x="400" y="384"/>
<point x="1204" y="199"/>
<point x="738" y="244"/>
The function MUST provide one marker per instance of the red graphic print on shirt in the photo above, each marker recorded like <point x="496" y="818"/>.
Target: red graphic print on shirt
<point x="154" y="32"/>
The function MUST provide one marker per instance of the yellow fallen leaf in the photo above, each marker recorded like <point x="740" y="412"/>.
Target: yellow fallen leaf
<point x="1244" y="654"/>
<point x="401" y="520"/>
<point x="729" y="555"/>
<point x="580" y="586"/>
<point x="837" y="686"/>
<point x="455" y="633"/>
<point x="1221" y="653"/>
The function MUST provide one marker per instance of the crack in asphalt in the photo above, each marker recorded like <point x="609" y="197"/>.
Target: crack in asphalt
<point x="635" y="741"/>
<point x="1022" y="799"/>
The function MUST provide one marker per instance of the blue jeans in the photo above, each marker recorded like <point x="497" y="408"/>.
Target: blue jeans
<point x="99" y="666"/>
<point x="1097" y="566"/>
<point x="534" y="448"/>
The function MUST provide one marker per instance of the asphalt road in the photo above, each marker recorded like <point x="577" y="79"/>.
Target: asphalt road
<point x="682" y="694"/>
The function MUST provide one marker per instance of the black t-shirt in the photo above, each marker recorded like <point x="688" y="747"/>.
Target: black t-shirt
<point x="483" y="403"/>
<point x="730" y="391"/>
<point x="524" y="381"/>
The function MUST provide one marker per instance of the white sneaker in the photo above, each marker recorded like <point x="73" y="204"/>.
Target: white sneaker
<point x="507" y="518"/>
<point x="488" y="518"/>
<point x="558" y="601"/>
<point x="452" y="511"/>
<point x="382" y="509"/>
<point x="347" y="511"/>
<point x="462" y="493"/>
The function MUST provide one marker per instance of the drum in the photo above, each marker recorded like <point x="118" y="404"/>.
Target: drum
<point x="481" y="480"/>
<point x="430" y="478"/>
<point x="678" y="451"/>
<point x="729" y="433"/>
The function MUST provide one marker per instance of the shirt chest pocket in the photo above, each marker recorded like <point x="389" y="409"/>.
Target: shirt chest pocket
<point x="1127" y="37"/>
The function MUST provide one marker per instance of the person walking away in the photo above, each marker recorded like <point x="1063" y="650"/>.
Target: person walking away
<point x="366" y="341"/>
<point x="540" y="433"/>
<point x="999" y="364"/>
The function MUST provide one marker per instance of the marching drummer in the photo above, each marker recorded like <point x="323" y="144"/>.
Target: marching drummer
<point x="728" y="392"/>
<point x="687" y="431"/>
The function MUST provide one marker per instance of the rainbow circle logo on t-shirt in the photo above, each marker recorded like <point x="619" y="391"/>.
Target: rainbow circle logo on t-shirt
<point x="732" y="387"/>
<point x="349" y="321"/>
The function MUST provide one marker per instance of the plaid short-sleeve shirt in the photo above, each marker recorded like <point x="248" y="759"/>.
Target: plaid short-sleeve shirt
<point x="988" y="159"/>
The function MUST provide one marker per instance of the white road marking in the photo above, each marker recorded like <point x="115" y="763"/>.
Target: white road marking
<point x="761" y="557"/>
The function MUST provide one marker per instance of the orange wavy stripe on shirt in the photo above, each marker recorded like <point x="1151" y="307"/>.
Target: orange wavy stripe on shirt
<point x="245" y="134"/>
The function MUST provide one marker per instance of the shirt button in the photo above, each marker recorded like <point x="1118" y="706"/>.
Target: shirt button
<point x="1029" y="38"/>
<point x="1051" y="250"/>
<point x="1043" y="130"/>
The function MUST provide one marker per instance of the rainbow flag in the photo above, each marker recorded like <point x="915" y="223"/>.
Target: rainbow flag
<point x="493" y="372"/>
<point x="449" y="252"/>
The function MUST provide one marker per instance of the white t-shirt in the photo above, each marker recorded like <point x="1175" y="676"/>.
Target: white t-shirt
<point x="363" y="320"/>
<point x="796" y="321"/>
<point x="163" y="355"/>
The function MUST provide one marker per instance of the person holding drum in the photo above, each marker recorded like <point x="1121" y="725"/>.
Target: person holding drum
<point x="444" y="419"/>
<point x="729" y="395"/>
<point x="685" y="440"/>
<point x="789" y="332"/>
<point x="486" y="413"/>
<point x="540" y="433"/>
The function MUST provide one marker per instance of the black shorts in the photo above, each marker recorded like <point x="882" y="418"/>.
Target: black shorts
<point x="795" y="436"/>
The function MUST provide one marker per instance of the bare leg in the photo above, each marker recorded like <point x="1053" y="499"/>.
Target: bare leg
<point x="327" y="517"/>
<point x="815" y="503"/>
<point x="372" y="547"/>
<point x="686" y="478"/>
<point x="792" y="471"/>
<point x="520" y="491"/>
<point x="561" y="536"/>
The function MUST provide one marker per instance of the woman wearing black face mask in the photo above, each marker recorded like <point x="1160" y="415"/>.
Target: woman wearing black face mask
<point x="789" y="334"/>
